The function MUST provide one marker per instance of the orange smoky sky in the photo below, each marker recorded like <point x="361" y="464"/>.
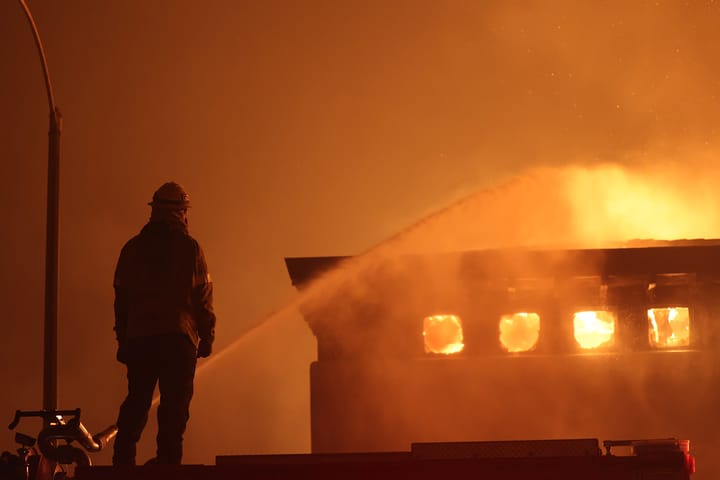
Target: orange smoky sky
<point x="305" y="128"/>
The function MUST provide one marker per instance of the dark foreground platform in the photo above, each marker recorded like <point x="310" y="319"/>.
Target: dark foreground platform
<point x="579" y="459"/>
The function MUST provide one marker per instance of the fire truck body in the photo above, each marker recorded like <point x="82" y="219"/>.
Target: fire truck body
<point x="509" y="460"/>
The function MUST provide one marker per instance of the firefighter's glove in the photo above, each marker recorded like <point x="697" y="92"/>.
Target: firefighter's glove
<point x="122" y="354"/>
<point x="204" y="349"/>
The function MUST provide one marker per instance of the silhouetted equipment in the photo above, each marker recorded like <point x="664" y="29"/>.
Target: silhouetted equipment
<point x="55" y="440"/>
<point x="514" y="344"/>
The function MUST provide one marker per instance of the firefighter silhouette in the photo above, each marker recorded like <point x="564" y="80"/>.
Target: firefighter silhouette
<point x="164" y="321"/>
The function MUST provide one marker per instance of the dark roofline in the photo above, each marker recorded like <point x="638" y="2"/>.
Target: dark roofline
<point x="653" y="257"/>
<point x="304" y="269"/>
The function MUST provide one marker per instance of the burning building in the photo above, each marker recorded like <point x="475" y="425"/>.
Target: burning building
<point x="516" y="344"/>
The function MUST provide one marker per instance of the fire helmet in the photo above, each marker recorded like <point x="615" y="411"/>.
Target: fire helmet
<point x="170" y="195"/>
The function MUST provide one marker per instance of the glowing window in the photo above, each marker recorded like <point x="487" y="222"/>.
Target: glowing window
<point x="443" y="334"/>
<point x="594" y="328"/>
<point x="519" y="332"/>
<point x="669" y="327"/>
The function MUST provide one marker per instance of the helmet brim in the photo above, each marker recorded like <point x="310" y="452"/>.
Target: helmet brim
<point x="175" y="205"/>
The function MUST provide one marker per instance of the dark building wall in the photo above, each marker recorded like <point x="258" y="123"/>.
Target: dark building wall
<point x="374" y="388"/>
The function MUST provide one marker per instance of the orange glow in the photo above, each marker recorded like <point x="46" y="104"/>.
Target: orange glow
<point x="615" y="203"/>
<point x="443" y="334"/>
<point x="594" y="328"/>
<point x="669" y="327"/>
<point x="519" y="332"/>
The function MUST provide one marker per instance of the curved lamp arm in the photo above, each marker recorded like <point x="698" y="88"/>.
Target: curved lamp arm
<point x="41" y="51"/>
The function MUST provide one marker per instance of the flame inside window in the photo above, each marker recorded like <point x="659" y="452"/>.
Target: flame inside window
<point x="519" y="332"/>
<point x="443" y="334"/>
<point x="594" y="328"/>
<point x="669" y="327"/>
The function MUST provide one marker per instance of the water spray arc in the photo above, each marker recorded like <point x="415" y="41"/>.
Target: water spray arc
<point x="330" y="280"/>
<point x="51" y="248"/>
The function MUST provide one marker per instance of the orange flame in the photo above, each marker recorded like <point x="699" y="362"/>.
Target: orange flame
<point x="669" y="327"/>
<point x="594" y="328"/>
<point x="519" y="332"/>
<point x="443" y="334"/>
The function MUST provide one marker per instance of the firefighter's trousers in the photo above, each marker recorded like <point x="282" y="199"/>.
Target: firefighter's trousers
<point x="168" y="361"/>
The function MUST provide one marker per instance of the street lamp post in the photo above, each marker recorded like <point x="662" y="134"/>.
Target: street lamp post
<point x="51" y="234"/>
